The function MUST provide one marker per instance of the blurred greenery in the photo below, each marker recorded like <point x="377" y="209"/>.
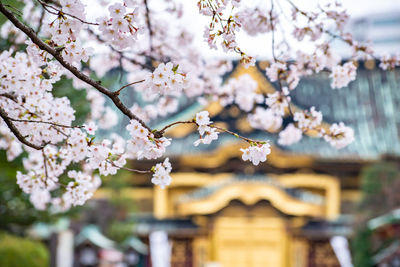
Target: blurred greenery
<point x="361" y="246"/>
<point x="21" y="252"/>
<point x="119" y="231"/>
<point x="16" y="211"/>
<point x="380" y="184"/>
<point x="16" y="4"/>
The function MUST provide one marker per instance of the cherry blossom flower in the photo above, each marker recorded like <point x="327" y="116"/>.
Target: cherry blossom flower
<point x="256" y="153"/>
<point x="161" y="176"/>
<point x="207" y="136"/>
<point x="265" y="119"/>
<point x="290" y="135"/>
<point x="339" y="135"/>
<point x="308" y="120"/>
<point x="90" y="128"/>
<point x="343" y="75"/>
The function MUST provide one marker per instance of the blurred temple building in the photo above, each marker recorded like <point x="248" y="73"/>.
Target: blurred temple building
<point x="222" y="211"/>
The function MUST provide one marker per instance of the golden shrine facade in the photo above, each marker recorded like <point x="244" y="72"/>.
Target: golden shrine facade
<point x="244" y="221"/>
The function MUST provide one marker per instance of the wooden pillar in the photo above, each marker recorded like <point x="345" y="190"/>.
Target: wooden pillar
<point x="160" y="205"/>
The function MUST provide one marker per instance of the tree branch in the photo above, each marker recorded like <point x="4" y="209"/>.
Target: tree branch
<point x="56" y="54"/>
<point x="10" y="96"/>
<point x="44" y="122"/>
<point x="15" y="131"/>
<point x="149" y="25"/>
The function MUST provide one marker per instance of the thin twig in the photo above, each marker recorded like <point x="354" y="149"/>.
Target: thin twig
<point x="149" y="25"/>
<point x="40" y="22"/>
<point x="59" y="12"/>
<point x="129" y="84"/>
<point x="161" y="132"/>
<point x="272" y="30"/>
<point x="248" y="140"/>
<point x="128" y="169"/>
<point x="121" y="54"/>
<point x="45" y="122"/>
<point x="45" y="165"/>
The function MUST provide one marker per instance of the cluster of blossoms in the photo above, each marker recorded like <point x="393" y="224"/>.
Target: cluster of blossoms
<point x="339" y="135"/>
<point x="35" y="121"/>
<point x="290" y="135"/>
<point x="81" y="188"/>
<point x="343" y="75"/>
<point x="64" y="31"/>
<point x="143" y="144"/>
<point x="256" y="153"/>
<point x="165" y="80"/>
<point x="224" y="28"/>
<point x="308" y="119"/>
<point x="242" y="91"/>
<point x="207" y="133"/>
<point x="270" y="119"/>
<point x="121" y="28"/>
<point x="161" y="175"/>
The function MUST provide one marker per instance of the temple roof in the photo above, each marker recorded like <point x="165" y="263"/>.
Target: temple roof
<point x="256" y="179"/>
<point x="368" y="105"/>
<point x="93" y="235"/>
<point x="136" y="244"/>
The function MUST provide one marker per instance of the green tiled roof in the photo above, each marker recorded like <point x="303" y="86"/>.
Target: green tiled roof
<point x="92" y="234"/>
<point x="370" y="105"/>
<point x="255" y="179"/>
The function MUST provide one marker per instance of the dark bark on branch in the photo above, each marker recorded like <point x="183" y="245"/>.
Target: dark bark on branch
<point x="57" y="55"/>
<point x="149" y="25"/>
<point x="15" y="131"/>
<point x="10" y="96"/>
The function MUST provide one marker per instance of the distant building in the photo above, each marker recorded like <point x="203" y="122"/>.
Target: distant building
<point x="221" y="211"/>
<point x="383" y="30"/>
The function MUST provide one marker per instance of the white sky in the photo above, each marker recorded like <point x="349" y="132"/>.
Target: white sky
<point x="261" y="46"/>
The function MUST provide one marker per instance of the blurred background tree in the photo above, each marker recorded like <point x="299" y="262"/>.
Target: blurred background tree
<point x="380" y="184"/>
<point x="18" y="252"/>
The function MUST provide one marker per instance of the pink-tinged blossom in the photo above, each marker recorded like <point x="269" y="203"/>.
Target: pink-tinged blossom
<point x="343" y="75"/>
<point x="165" y="80"/>
<point x="290" y="135"/>
<point x="256" y="153"/>
<point x="117" y="10"/>
<point x="265" y="119"/>
<point x="90" y="128"/>
<point x="308" y="119"/>
<point x="81" y="188"/>
<point x="161" y="176"/>
<point x="143" y="144"/>
<point x="40" y="199"/>
<point x="278" y="102"/>
<point x="245" y="89"/>
<point x="339" y="135"/>
<point x="203" y="118"/>
<point x="274" y="70"/>
<point x="207" y="136"/>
